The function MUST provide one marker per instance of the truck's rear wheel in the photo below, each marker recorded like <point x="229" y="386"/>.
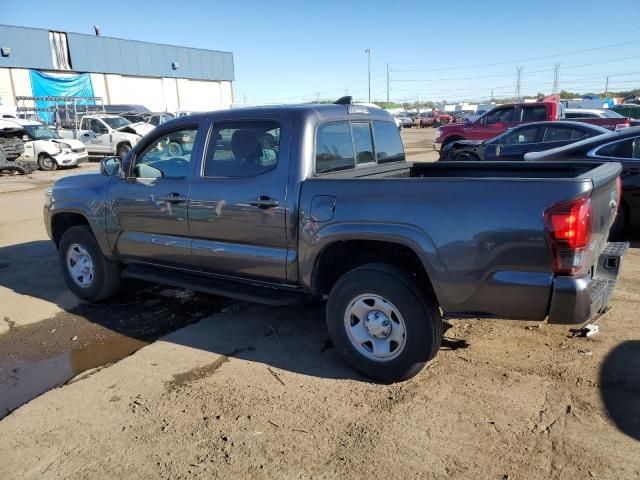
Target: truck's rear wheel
<point x="87" y="272"/>
<point x="47" y="163"/>
<point x="382" y="323"/>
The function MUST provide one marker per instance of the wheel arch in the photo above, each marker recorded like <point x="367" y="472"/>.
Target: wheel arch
<point x="63" y="219"/>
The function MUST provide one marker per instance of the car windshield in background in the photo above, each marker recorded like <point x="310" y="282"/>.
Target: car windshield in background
<point x="40" y="132"/>
<point x="611" y="114"/>
<point x="116" y="122"/>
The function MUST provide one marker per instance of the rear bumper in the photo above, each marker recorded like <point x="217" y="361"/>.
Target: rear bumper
<point x="576" y="300"/>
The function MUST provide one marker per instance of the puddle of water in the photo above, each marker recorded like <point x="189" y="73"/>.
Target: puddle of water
<point x="22" y="380"/>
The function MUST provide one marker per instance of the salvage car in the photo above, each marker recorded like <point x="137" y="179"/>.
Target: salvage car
<point x="49" y="150"/>
<point x="621" y="147"/>
<point x="103" y="135"/>
<point x="12" y="149"/>
<point x="328" y="208"/>
<point x="405" y="122"/>
<point x="514" y="143"/>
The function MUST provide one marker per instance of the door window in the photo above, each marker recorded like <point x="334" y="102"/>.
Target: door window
<point x="537" y="113"/>
<point x="521" y="136"/>
<point x="334" y="148"/>
<point x="167" y="157"/>
<point x="557" y="134"/>
<point x="629" y="148"/>
<point x="502" y="115"/>
<point x="242" y="149"/>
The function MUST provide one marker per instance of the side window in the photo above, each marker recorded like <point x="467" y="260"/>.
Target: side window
<point x="580" y="115"/>
<point x="557" y="134"/>
<point x="502" y="115"/>
<point x="97" y="126"/>
<point x="155" y="120"/>
<point x="334" y="148"/>
<point x="522" y="135"/>
<point x="242" y="149"/>
<point x="534" y="113"/>
<point x="388" y="142"/>
<point x="362" y="142"/>
<point x="629" y="148"/>
<point x="167" y="157"/>
<point x="578" y="134"/>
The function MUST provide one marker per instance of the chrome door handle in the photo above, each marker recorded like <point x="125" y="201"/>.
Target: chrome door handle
<point x="264" y="201"/>
<point x="173" y="198"/>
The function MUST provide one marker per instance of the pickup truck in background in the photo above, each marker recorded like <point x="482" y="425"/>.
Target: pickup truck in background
<point x="282" y="204"/>
<point x="434" y="119"/>
<point x="503" y="117"/>
<point x="103" y="135"/>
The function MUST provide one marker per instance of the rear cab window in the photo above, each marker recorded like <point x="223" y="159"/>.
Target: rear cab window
<point x="345" y="145"/>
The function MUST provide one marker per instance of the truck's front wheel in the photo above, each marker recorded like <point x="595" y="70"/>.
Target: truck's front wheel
<point x="87" y="272"/>
<point x="382" y="323"/>
<point x="47" y="162"/>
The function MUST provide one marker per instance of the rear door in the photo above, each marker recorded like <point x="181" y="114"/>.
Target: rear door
<point x="237" y="208"/>
<point x="513" y="145"/>
<point x="148" y="218"/>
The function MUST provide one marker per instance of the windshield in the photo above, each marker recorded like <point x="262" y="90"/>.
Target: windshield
<point x="116" y="122"/>
<point x="40" y="132"/>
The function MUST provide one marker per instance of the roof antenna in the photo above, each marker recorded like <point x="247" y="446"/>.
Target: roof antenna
<point x="97" y="30"/>
<point x="347" y="100"/>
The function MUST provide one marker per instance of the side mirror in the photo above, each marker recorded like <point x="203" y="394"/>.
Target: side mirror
<point x="25" y="138"/>
<point x="111" y="166"/>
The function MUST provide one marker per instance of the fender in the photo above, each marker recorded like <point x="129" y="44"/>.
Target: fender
<point x="314" y="240"/>
<point x="95" y="218"/>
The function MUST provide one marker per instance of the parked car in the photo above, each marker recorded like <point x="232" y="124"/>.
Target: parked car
<point x="502" y="117"/>
<point x="600" y="116"/>
<point x="621" y="147"/>
<point x="514" y="143"/>
<point x="12" y="148"/>
<point x="328" y="208"/>
<point x="103" y="135"/>
<point x="405" y="122"/>
<point x="47" y="149"/>
<point x="434" y="119"/>
<point x="143" y="123"/>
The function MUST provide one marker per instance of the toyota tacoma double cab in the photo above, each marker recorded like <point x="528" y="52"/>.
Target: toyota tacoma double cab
<point x="282" y="204"/>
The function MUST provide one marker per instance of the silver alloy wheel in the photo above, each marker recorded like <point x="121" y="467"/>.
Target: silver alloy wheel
<point x="47" y="162"/>
<point x="375" y="327"/>
<point x="80" y="265"/>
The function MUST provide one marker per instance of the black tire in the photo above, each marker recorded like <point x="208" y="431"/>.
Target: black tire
<point x="47" y="163"/>
<point x="618" y="227"/>
<point x="123" y="149"/>
<point x="419" y="310"/>
<point x="106" y="273"/>
<point x="466" y="157"/>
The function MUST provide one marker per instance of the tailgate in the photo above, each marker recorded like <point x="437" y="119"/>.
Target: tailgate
<point x="605" y="198"/>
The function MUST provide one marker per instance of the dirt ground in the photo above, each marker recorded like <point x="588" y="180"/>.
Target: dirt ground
<point x="234" y="390"/>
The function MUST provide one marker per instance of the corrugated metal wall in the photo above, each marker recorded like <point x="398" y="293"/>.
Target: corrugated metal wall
<point x="30" y="48"/>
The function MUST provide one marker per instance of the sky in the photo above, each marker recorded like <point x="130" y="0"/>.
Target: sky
<point x="297" y="51"/>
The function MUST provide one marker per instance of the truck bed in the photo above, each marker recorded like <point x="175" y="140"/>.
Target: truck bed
<point x="480" y="226"/>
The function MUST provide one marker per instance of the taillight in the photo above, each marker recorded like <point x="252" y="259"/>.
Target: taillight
<point x="620" y="126"/>
<point x="569" y="230"/>
<point x="619" y="187"/>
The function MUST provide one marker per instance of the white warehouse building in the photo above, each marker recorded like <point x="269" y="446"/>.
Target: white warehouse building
<point x="36" y="62"/>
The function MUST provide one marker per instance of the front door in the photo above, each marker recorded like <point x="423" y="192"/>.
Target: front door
<point x="514" y="145"/>
<point x="147" y="220"/>
<point x="237" y="208"/>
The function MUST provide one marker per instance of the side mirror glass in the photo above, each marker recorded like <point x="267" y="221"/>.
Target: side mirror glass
<point x="25" y="138"/>
<point x="111" y="166"/>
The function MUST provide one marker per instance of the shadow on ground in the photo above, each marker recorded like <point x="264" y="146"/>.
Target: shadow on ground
<point x="620" y="387"/>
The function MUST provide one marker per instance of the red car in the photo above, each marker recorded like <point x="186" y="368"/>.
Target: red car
<point x="434" y="119"/>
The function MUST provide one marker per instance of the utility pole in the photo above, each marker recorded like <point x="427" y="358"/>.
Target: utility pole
<point x="606" y="87"/>
<point x="317" y="97"/>
<point x="387" y="84"/>
<point x="418" y="101"/>
<point x="368" y="51"/>
<point x="556" y="77"/>
<point x="518" y="82"/>
<point x="244" y="96"/>
<point x="491" y="95"/>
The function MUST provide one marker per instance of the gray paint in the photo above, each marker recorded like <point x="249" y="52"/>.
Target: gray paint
<point x="478" y="229"/>
<point x="30" y="48"/>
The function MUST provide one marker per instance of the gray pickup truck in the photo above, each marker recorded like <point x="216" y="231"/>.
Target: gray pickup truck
<point x="282" y="204"/>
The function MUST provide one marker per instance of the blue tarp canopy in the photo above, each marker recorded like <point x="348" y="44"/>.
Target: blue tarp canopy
<point x="59" y="85"/>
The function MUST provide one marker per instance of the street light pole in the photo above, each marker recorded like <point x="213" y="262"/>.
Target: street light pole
<point x="368" y="51"/>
